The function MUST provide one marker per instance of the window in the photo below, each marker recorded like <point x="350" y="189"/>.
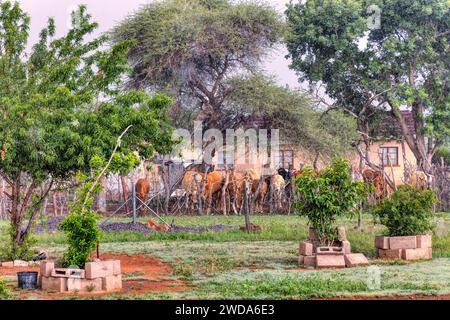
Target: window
<point x="389" y="156"/>
<point x="284" y="159"/>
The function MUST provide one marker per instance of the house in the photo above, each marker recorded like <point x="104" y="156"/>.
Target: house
<point x="386" y="150"/>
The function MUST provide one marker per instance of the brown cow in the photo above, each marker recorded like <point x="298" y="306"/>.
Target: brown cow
<point x="236" y="187"/>
<point x="255" y="178"/>
<point x="382" y="188"/>
<point x="157" y="227"/>
<point x="261" y="195"/>
<point x="142" y="189"/>
<point x="277" y="185"/>
<point x="191" y="187"/>
<point x="214" y="184"/>
<point x="418" y="180"/>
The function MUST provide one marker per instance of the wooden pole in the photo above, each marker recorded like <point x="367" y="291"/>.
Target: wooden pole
<point x="246" y="209"/>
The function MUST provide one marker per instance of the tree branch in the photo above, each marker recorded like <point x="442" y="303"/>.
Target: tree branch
<point x="97" y="180"/>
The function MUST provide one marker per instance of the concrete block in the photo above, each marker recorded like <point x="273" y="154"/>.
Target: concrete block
<point x="34" y="264"/>
<point x="346" y="247"/>
<point x="313" y="234"/>
<point x="389" y="254"/>
<point x="416" y="254"/>
<point x="68" y="273"/>
<point x="112" y="283"/>
<point x="20" y="264"/>
<point x="117" y="267"/>
<point x="84" y="285"/>
<point x="54" y="284"/>
<point x="382" y="243"/>
<point x="46" y="268"/>
<point x="8" y="264"/>
<point x="330" y="251"/>
<point x="342" y="234"/>
<point x="301" y="260"/>
<point x="355" y="260"/>
<point x="330" y="261"/>
<point x="408" y="242"/>
<point x="424" y="241"/>
<point x="309" y="261"/>
<point x="99" y="269"/>
<point x="306" y="248"/>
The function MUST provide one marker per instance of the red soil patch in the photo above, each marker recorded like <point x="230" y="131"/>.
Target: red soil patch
<point x="150" y="274"/>
<point x="13" y="271"/>
<point x="152" y="269"/>
<point x="443" y="297"/>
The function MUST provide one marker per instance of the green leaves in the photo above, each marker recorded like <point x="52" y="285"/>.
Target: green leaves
<point x="69" y="108"/>
<point x="179" y="43"/>
<point x="82" y="234"/>
<point x="408" y="212"/>
<point x="327" y="195"/>
<point x="62" y="110"/>
<point x="293" y="114"/>
<point x="405" y="62"/>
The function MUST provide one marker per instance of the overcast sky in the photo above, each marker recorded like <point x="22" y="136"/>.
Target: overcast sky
<point x="109" y="12"/>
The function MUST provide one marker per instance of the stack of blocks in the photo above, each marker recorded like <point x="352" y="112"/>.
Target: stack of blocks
<point x="405" y="248"/>
<point x="96" y="277"/>
<point x="339" y="256"/>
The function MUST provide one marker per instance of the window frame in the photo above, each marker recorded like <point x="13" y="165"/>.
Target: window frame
<point x="282" y="155"/>
<point x="385" y="151"/>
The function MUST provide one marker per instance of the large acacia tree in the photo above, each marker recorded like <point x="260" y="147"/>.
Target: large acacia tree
<point x="403" y="64"/>
<point x="295" y="113"/>
<point x="190" y="49"/>
<point x="60" y="106"/>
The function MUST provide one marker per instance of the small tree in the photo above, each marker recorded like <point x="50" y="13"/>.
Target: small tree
<point x="81" y="226"/>
<point x="327" y="195"/>
<point x="60" y="106"/>
<point x="408" y="212"/>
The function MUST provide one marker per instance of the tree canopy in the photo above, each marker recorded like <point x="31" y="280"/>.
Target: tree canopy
<point x="293" y="113"/>
<point x="190" y="48"/>
<point x="403" y="64"/>
<point x="61" y="106"/>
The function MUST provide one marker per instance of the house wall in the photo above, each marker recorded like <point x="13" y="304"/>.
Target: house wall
<point x="303" y="157"/>
<point x="404" y="160"/>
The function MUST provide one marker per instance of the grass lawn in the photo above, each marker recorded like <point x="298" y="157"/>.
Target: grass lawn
<point x="237" y="265"/>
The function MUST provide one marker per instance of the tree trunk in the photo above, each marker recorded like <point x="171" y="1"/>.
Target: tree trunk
<point x="125" y="193"/>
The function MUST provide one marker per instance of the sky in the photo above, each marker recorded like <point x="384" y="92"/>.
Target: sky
<point x="109" y="12"/>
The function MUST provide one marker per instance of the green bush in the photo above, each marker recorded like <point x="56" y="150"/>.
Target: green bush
<point x="4" y="291"/>
<point x="325" y="196"/>
<point x="442" y="152"/>
<point x="409" y="211"/>
<point x="81" y="226"/>
<point x="22" y="251"/>
<point x="82" y="234"/>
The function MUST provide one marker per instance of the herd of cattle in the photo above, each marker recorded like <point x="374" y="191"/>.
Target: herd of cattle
<point x="216" y="189"/>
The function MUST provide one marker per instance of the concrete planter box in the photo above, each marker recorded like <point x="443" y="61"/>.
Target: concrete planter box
<point x="409" y="248"/>
<point x="313" y="255"/>
<point x="99" y="276"/>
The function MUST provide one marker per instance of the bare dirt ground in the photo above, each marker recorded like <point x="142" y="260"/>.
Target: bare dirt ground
<point x="146" y="274"/>
<point x="444" y="297"/>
